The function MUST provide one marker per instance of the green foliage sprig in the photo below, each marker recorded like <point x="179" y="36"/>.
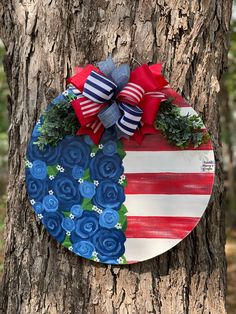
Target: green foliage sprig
<point x="180" y="131"/>
<point x="58" y="122"/>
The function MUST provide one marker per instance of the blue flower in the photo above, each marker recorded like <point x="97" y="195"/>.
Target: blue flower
<point x="106" y="167"/>
<point x="85" y="226"/>
<point x="50" y="203"/>
<point x="74" y="151"/>
<point x="39" y="170"/>
<point x="66" y="189"/>
<point x="38" y="208"/>
<point x="77" y="172"/>
<point x="87" y="189"/>
<point x="109" y="195"/>
<point x="109" y="148"/>
<point x="48" y="154"/>
<point x="36" y="188"/>
<point x="83" y="248"/>
<point x="68" y="224"/>
<point x="109" y="244"/>
<point x="77" y="210"/>
<point x="52" y="222"/>
<point x="109" y="218"/>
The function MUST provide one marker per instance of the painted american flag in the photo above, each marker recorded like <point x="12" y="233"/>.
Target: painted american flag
<point x="167" y="193"/>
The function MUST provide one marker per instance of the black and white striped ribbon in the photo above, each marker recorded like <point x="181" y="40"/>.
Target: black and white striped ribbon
<point x="98" y="88"/>
<point x="130" y="119"/>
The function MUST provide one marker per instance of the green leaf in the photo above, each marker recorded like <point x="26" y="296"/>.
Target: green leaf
<point x="66" y="214"/>
<point x="87" y="204"/>
<point x="180" y="131"/>
<point x="119" y="144"/>
<point x="123" y="210"/>
<point x="124" y="259"/>
<point x="52" y="170"/>
<point x="86" y="175"/>
<point x="124" y="183"/>
<point x="121" y="153"/>
<point x="122" y="217"/>
<point x="67" y="243"/>
<point x="94" y="149"/>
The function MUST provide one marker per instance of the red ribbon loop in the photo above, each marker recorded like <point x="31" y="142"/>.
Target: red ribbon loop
<point x="145" y="89"/>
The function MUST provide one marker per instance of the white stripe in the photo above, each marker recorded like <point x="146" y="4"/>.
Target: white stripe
<point x="93" y="104"/>
<point x="86" y="102"/>
<point x="95" y="91"/>
<point x="86" y="112"/>
<point x="142" y="249"/>
<point x="137" y="86"/>
<point x="99" y="83"/>
<point x="91" y="97"/>
<point x="104" y="78"/>
<point x="127" y="94"/>
<point x="98" y="126"/>
<point x="134" y="90"/>
<point x="166" y="205"/>
<point x="186" y="161"/>
<point x="131" y="117"/>
<point x="125" y="131"/>
<point x="129" y="125"/>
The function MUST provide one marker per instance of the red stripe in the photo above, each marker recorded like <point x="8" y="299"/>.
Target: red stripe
<point x="160" y="227"/>
<point x="169" y="183"/>
<point x="158" y="142"/>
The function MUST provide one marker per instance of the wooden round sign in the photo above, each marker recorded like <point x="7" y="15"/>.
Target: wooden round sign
<point x="119" y="202"/>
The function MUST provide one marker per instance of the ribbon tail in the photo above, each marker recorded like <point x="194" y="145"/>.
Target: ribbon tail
<point x="94" y="130"/>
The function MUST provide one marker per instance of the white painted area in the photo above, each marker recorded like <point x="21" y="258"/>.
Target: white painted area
<point x="140" y="249"/>
<point x="185" y="161"/>
<point x="166" y="205"/>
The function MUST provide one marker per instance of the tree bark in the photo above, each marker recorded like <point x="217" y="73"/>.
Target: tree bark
<point x="44" y="41"/>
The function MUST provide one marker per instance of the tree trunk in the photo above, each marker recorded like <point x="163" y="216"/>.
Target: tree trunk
<point x="44" y="41"/>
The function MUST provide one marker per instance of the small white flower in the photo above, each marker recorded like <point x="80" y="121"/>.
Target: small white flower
<point x="120" y="260"/>
<point x="123" y="177"/>
<point x="30" y="165"/>
<point x="80" y="180"/>
<point x="97" y="259"/>
<point x="50" y="192"/>
<point x="120" y="181"/>
<point x="95" y="208"/>
<point x="72" y="216"/>
<point x="32" y="202"/>
<point x="26" y="162"/>
<point x="38" y="122"/>
<point x="65" y="93"/>
<point x="62" y="169"/>
<point x="96" y="182"/>
<point x="58" y="167"/>
<point x="92" y="154"/>
<point x="100" y="146"/>
<point x="68" y="233"/>
<point x="70" y="248"/>
<point x="51" y="177"/>
<point x="118" y="226"/>
<point x="95" y="253"/>
<point x="40" y="216"/>
<point x="99" y="211"/>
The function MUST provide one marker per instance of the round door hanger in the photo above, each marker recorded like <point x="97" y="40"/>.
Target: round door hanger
<point x="118" y="201"/>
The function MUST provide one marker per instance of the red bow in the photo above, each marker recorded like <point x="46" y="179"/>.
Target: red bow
<point x="145" y="89"/>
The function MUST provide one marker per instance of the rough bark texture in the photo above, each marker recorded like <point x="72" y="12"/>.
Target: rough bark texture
<point x="45" y="39"/>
